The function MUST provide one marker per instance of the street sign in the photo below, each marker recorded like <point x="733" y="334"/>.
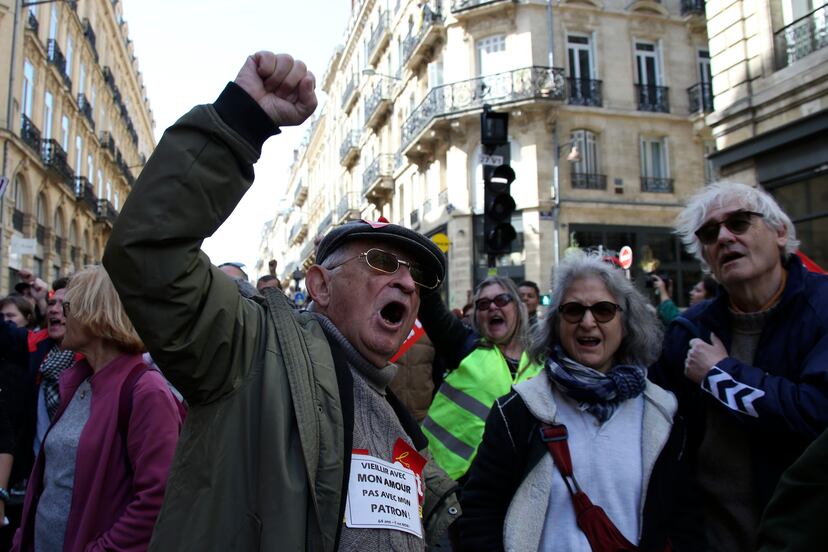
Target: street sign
<point x="299" y="298"/>
<point x="491" y="160"/>
<point x="441" y="241"/>
<point x="625" y="257"/>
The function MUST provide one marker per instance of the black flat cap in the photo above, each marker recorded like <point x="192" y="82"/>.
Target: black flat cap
<point x="423" y="249"/>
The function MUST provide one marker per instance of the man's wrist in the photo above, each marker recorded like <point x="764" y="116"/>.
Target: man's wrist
<point x="4" y="495"/>
<point x="241" y="112"/>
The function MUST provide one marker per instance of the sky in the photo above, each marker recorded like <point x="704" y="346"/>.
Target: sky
<point x="188" y="50"/>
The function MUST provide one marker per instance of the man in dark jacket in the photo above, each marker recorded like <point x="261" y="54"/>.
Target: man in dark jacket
<point x="750" y="367"/>
<point x="290" y="416"/>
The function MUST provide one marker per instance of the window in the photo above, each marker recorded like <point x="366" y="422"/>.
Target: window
<point x="108" y="190"/>
<point x="64" y="133"/>
<point x="703" y="61"/>
<point x="78" y="154"/>
<point x="100" y="184"/>
<point x="646" y="60"/>
<point x="47" y="116"/>
<point x="81" y="78"/>
<point x="90" y="172"/>
<point x="69" y="56"/>
<point x="28" y="88"/>
<point x="579" y="54"/>
<point x="586" y="170"/>
<point x="655" y="170"/>
<point x="53" y="21"/>
<point x="117" y="201"/>
<point x="491" y="55"/>
<point x="709" y="170"/>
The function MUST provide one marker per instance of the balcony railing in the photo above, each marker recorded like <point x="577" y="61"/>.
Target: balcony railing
<point x="414" y="218"/>
<point x="298" y="230"/>
<point x="652" y="98"/>
<point x="414" y="43"/>
<point x="442" y="197"/>
<point x="56" y="58"/>
<point x="348" y="207"/>
<point x="658" y="185"/>
<point x="108" y="142"/>
<point x="692" y="7"/>
<point x="30" y="133"/>
<point x="85" y="194"/>
<point x="55" y="158"/>
<point x="106" y="212"/>
<point x="588" y="181"/>
<point x="400" y="161"/>
<point x="40" y="234"/>
<point x="32" y="23"/>
<point x="542" y="83"/>
<point x="90" y="36"/>
<point x="349" y="94"/>
<point x="380" y="168"/>
<point x="379" y="38"/>
<point x="464" y="5"/>
<point x="801" y="38"/>
<point x="300" y="194"/>
<point x="585" y="92"/>
<point x="326" y="222"/>
<point x="378" y="103"/>
<point x="307" y="250"/>
<point x="86" y="108"/>
<point x="701" y="98"/>
<point x="349" y="150"/>
<point x="17" y="220"/>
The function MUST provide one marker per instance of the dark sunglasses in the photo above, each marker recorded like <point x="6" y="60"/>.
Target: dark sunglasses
<point x="388" y="263"/>
<point x="602" y="311"/>
<point x="500" y="301"/>
<point x="737" y="223"/>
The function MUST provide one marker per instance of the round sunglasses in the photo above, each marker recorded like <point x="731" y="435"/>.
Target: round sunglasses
<point x="602" y="311"/>
<point x="499" y="301"/>
<point x="737" y="223"/>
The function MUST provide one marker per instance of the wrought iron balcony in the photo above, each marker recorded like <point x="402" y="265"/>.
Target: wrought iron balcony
<point x="378" y="104"/>
<point x="349" y="150"/>
<point x="379" y="39"/>
<point x="40" y="233"/>
<point x="350" y="94"/>
<point x="32" y="23"/>
<point x="528" y="83"/>
<point x="378" y="179"/>
<point x="692" y="7"/>
<point x="108" y="142"/>
<point x="801" y="38"/>
<point x="59" y="243"/>
<point x="90" y="36"/>
<point x="414" y="218"/>
<point x="417" y="44"/>
<point x="55" y="159"/>
<point x="17" y="220"/>
<point x="324" y="224"/>
<point x="30" y="133"/>
<point x="307" y="250"/>
<point x="652" y="98"/>
<point x="442" y="197"/>
<point x="458" y="6"/>
<point x="56" y="58"/>
<point x="588" y="181"/>
<point x="85" y="194"/>
<point x="86" y="108"/>
<point x="701" y="98"/>
<point x="585" y="92"/>
<point x="400" y="161"/>
<point x="657" y="185"/>
<point x="348" y="208"/>
<point x="106" y="212"/>
<point x="300" y="194"/>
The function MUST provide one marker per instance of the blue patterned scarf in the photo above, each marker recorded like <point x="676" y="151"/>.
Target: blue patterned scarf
<point x="597" y="393"/>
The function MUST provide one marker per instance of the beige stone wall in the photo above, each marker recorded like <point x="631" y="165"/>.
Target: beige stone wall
<point x="79" y="53"/>
<point x="438" y="178"/>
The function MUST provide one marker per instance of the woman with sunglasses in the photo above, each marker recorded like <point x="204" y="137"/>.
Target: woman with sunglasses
<point x="99" y="479"/>
<point x="490" y="357"/>
<point x="621" y="437"/>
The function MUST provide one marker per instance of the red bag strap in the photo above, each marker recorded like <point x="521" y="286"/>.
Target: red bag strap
<point x="555" y="436"/>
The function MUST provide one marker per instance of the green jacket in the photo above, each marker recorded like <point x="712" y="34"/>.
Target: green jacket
<point x="262" y="459"/>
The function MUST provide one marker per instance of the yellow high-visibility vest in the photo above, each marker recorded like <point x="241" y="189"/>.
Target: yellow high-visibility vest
<point x="457" y="416"/>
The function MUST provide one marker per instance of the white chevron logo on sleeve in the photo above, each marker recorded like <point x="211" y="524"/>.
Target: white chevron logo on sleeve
<point x="731" y="393"/>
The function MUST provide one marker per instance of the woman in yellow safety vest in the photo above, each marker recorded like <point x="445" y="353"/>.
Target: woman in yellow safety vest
<point x="489" y="358"/>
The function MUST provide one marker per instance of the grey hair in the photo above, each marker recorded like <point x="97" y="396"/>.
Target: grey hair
<point x="641" y="343"/>
<point x="747" y="197"/>
<point x="522" y="328"/>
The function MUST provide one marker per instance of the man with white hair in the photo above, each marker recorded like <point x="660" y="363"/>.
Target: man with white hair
<point x="750" y="367"/>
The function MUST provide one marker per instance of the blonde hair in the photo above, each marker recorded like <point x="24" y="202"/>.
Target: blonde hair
<point x="94" y="303"/>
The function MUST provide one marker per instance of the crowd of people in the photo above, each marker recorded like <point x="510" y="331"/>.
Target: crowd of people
<point x="159" y="402"/>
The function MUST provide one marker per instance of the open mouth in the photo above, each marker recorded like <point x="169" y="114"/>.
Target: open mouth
<point x="393" y="313"/>
<point x="588" y="341"/>
<point x="496" y="321"/>
<point x="728" y="257"/>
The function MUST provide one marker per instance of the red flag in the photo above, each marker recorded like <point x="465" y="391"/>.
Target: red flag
<point x="810" y="264"/>
<point x="414" y="335"/>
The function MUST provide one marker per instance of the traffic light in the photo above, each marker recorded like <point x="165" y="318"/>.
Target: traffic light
<point x="498" y="232"/>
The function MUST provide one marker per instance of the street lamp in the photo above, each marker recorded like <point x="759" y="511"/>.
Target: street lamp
<point x="370" y="72"/>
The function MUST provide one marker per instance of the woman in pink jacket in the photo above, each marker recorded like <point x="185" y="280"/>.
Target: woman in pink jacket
<point x="98" y="481"/>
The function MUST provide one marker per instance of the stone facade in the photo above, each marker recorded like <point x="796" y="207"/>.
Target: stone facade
<point x="76" y="128"/>
<point x="623" y="82"/>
